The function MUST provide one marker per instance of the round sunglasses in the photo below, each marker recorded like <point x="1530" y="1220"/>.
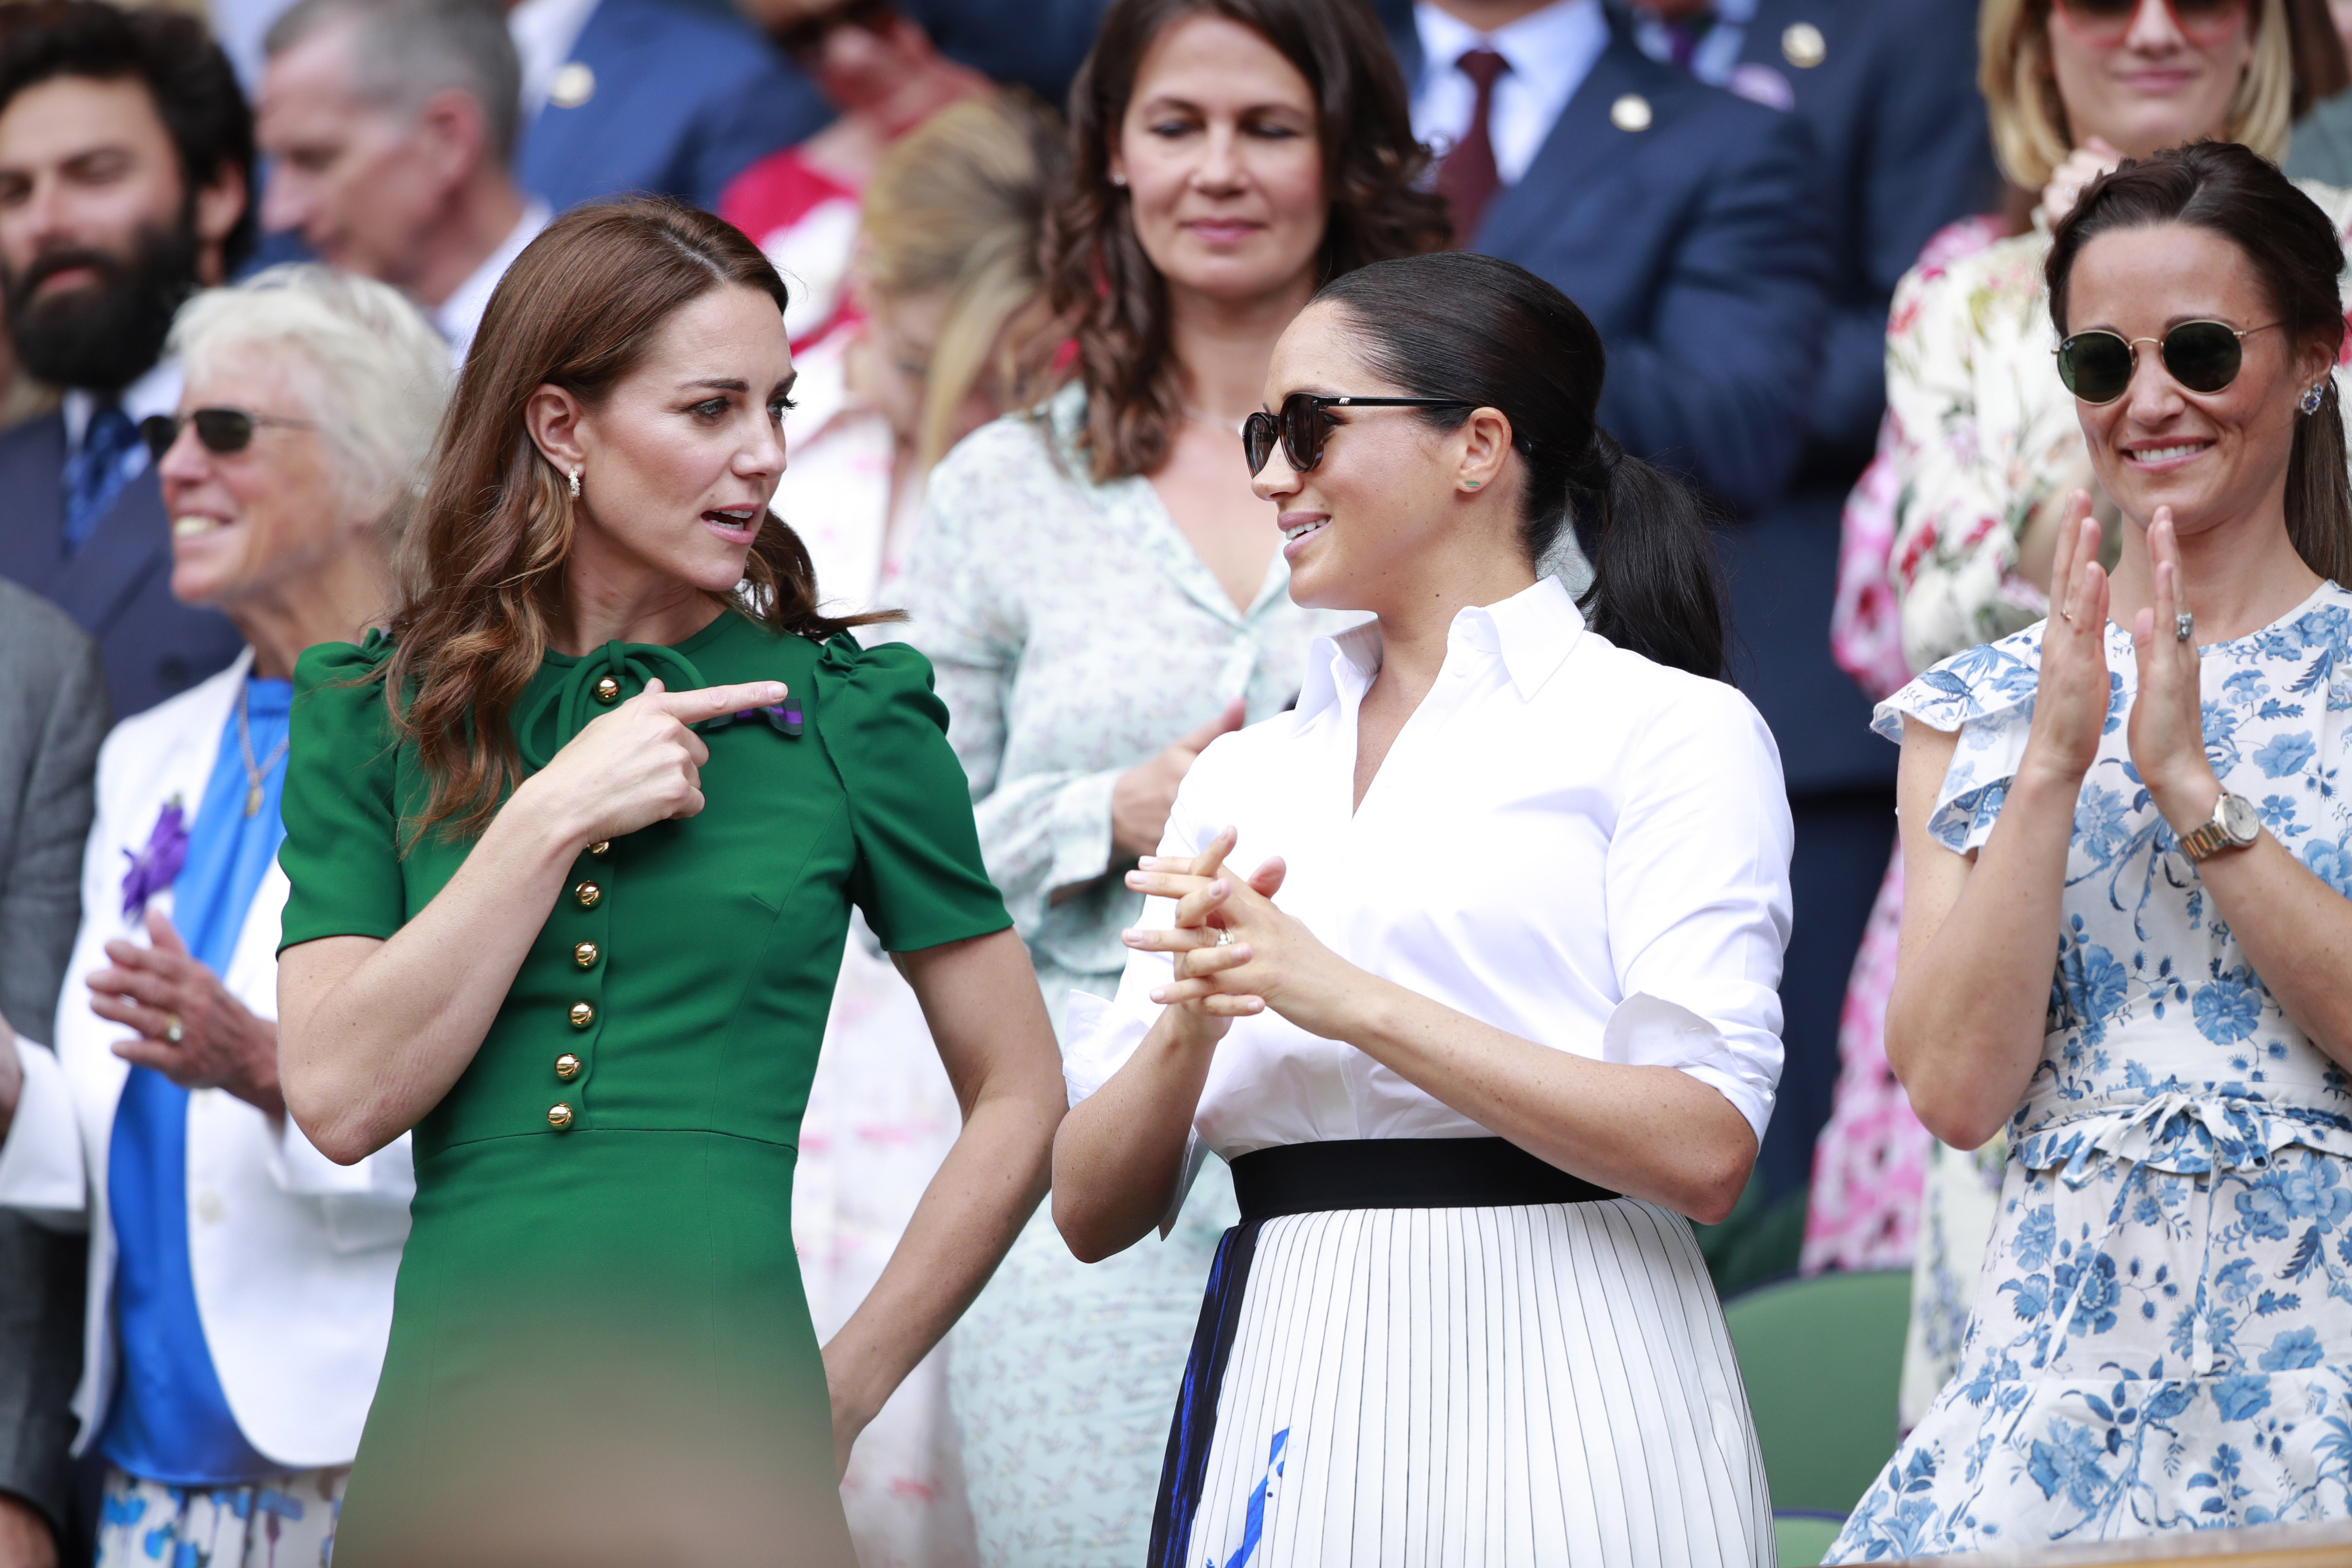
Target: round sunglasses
<point x="1303" y="421"/>
<point x="2103" y="24"/>
<point x="218" y="430"/>
<point x="2203" y="357"/>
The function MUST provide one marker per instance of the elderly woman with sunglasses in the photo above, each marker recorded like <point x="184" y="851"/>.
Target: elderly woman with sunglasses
<point x="2145" y="786"/>
<point x="240" y="1285"/>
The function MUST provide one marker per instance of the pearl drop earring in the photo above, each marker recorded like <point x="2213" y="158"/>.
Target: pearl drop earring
<point x="575" y="481"/>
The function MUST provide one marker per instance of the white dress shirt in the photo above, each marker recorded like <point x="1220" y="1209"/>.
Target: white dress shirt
<point x="460" y="315"/>
<point x="1549" y="53"/>
<point x="1566" y="841"/>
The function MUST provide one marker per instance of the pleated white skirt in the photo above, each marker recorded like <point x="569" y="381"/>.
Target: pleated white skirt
<point x="1543" y="1384"/>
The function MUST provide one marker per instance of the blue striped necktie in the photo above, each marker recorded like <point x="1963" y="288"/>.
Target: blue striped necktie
<point x="95" y="474"/>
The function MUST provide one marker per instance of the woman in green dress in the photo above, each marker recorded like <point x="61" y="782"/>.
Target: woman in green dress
<point x="573" y="851"/>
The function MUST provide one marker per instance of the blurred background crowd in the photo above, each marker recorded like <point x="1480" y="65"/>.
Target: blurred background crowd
<point x="1810" y="233"/>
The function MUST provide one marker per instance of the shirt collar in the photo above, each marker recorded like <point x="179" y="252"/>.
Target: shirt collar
<point x="1532" y="632"/>
<point x="456" y="317"/>
<point x="1547" y="50"/>
<point x="157" y="392"/>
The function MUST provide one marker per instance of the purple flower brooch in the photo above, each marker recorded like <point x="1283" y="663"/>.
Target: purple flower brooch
<point x="155" y="868"/>
<point x="783" y="717"/>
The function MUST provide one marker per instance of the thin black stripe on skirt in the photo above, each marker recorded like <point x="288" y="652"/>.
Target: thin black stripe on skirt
<point x="1196" y="1421"/>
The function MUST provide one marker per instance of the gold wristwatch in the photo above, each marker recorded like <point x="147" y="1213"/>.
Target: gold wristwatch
<point x="2235" y="824"/>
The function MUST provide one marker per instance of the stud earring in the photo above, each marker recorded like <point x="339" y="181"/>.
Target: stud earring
<point x="1120" y="180"/>
<point x="575" y="481"/>
<point x="2311" y="398"/>
<point x="1471" y="484"/>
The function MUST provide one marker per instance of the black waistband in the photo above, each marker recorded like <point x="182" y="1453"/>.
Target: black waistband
<point x="1401" y="1174"/>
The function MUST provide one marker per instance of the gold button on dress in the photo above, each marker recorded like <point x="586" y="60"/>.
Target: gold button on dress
<point x="587" y="893"/>
<point x="582" y="1015"/>
<point x="559" y="1116"/>
<point x="567" y="1067"/>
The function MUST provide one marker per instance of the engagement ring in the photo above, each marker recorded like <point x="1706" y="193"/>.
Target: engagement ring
<point x="2184" y="626"/>
<point x="172" y="1030"/>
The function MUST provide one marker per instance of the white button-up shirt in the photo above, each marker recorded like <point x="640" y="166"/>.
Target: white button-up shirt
<point x="1566" y="841"/>
<point x="1549" y="53"/>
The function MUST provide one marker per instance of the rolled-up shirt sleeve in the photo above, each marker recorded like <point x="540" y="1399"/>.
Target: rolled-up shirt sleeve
<point x="1696" y="891"/>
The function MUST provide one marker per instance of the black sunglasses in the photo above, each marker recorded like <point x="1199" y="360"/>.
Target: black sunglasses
<point x="221" y="430"/>
<point x="2203" y="357"/>
<point x="1303" y="423"/>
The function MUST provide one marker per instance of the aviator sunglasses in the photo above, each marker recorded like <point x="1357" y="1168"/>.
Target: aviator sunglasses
<point x="220" y="430"/>
<point x="2203" y="357"/>
<point x="2103" y="24"/>
<point x="1303" y="423"/>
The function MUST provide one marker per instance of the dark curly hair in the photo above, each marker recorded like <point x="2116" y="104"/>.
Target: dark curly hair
<point x="195" y="88"/>
<point x="1101" y="281"/>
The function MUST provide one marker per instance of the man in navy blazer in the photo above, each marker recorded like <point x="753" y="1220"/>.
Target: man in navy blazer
<point x="1888" y="88"/>
<point x="1690" y="227"/>
<point x="670" y="97"/>
<point x="126" y="154"/>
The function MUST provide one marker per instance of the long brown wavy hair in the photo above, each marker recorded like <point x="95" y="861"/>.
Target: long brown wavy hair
<point x="1096" y="270"/>
<point x="580" y="309"/>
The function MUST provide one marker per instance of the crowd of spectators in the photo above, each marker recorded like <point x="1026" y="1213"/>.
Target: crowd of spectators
<point x="1809" y="232"/>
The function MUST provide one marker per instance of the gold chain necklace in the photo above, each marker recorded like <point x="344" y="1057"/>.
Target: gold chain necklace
<point x="256" y="775"/>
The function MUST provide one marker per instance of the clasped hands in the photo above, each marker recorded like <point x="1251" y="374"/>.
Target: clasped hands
<point x="2167" y="728"/>
<point x="1236" y="952"/>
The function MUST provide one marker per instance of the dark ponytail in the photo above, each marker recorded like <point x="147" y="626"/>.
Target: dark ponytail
<point x="2234" y="193"/>
<point x="1492" y="335"/>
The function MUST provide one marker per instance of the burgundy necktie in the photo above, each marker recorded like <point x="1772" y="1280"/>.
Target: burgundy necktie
<point x="1467" y="178"/>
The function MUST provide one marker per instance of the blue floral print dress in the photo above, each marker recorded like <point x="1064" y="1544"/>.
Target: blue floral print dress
<point x="2161" y="1335"/>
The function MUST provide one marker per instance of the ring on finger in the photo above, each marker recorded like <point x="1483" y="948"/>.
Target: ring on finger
<point x="1224" y="937"/>
<point x="172" y="1032"/>
<point x="2184" y="626"/>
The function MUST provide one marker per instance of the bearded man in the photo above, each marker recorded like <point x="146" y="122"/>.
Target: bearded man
<point x="126" y="158"/>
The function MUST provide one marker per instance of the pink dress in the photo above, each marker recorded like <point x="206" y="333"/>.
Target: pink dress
<point x="1870" y="1162"/>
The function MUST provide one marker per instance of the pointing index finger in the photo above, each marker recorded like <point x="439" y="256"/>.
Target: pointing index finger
<point x="710" y="702"/>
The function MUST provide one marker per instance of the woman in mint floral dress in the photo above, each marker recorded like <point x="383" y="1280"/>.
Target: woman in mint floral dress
<point x="2161" y="1337"/>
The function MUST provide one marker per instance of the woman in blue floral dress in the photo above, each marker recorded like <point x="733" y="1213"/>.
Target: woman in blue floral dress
<point x="2161" y="1337"/>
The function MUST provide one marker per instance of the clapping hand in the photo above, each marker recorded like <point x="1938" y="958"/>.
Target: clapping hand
<point x="190" y="1028"/>
<point x="2070" y="702"/>
<point x="1236" y="952"/>
<point x="2168" y="725"/>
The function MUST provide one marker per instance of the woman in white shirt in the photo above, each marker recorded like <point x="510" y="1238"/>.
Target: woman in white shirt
<point x="1502" y="1012"/>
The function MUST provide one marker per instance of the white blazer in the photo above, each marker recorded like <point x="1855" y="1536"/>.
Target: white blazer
<point x="293" y="1256"/>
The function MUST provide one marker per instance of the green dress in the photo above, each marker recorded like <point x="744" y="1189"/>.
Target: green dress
<point x="600" y="1287"/>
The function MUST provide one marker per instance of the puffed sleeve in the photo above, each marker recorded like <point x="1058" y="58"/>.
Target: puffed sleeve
<point x="919" y="878"/>
<point x="342" y="854"/>
<point x="1985" y="694"/>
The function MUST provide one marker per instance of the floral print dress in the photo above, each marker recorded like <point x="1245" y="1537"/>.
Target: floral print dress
<point x="2161" y="1336"/>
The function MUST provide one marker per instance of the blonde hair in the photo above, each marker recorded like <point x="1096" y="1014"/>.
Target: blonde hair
<point x="377" y="375"/>
<point x="959" y="203"/>
<point x="2030" y="134"/>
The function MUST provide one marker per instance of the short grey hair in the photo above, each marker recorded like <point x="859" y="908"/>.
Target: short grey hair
<point x="376" y="373"/>
<point x="401" y="52"/>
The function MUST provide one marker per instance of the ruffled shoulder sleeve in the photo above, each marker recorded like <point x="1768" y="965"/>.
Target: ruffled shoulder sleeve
<point x="342" y="853"/>
<point x="918" y="879"/>
<point x="1985" y="693"/>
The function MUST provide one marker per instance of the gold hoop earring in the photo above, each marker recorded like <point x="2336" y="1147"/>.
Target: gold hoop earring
<point x="575" y="481"/>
